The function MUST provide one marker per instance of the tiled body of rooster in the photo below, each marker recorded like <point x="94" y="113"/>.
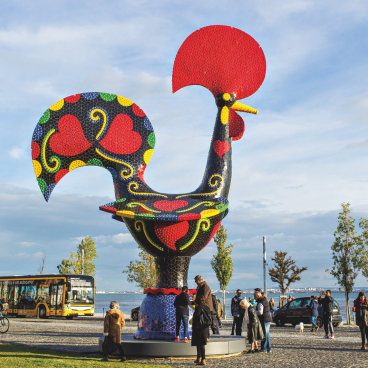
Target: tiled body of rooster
<point x="110" y="131"/>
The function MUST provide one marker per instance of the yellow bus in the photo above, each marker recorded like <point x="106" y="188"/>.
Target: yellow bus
<point x="42" y="296"/>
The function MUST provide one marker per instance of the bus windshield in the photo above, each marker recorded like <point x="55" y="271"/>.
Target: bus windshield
<point x="81" y="292"/>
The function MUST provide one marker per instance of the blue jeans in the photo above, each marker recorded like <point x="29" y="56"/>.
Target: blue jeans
<point x="312" y="320"/>
<point x="327" y="322"/>
<point x="185" y="320"/>
<point x="266" y="342"/>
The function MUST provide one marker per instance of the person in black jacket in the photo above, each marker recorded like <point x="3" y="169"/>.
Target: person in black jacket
<point x="181" y="304"/>
<point x="264" y="315"/>
<point x="215" y="324"/>
<point x="327" y="305"/>
<point x="237" y="313"/>
<point x="199" y="336"/>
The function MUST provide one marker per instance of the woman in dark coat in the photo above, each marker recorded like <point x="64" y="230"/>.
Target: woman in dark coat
<point x="199" y="336"/>
<point x="361" y="313"/>
<point x="251" y="321"/>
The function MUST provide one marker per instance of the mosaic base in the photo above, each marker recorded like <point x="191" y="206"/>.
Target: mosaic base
<point x="157" y="318"/>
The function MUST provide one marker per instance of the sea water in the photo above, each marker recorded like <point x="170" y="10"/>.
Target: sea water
<point x="129" y="301"/>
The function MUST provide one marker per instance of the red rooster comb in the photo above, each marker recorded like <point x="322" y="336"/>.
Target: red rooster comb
<point x="222" y="59"/>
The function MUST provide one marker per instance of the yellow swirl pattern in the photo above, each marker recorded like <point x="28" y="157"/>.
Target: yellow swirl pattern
<point x="137" y="227"/>
<point x="133" y="183"/>
<point x="209" y="213"/>
<point x="53" y="159"/>
<point x="124" y="173"/>
<point x="135" y="204"/>
<point x="95" y="117"/>
<point x="205" y="227"/>
<point x="210" y="183"/>
<point x="206" y="203"/>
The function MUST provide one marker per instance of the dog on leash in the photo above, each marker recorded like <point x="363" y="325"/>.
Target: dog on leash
<point x="300" y="327"/>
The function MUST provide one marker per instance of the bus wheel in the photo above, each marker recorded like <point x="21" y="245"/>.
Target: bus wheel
<point x="41" y="312"/>
<point x="69" y="317"/>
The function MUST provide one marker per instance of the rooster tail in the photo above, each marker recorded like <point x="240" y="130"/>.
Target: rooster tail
<point x="92" y="129"/>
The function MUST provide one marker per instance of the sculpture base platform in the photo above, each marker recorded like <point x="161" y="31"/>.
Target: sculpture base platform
<point x="218" y="345"/>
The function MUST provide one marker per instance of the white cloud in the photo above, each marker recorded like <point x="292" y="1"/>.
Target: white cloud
<point x="27" y="244"/>
<point x="17" y="153"/>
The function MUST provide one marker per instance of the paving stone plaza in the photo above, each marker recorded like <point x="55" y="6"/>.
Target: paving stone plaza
<point x="289" y="348"/>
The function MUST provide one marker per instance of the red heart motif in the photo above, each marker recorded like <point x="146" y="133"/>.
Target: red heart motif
<point x="120" y="137"/>
<point x="70" y="140"/>
<point x="169" y="206"/>
<point x="221" y="147"/>
<point x="169" y="232"/>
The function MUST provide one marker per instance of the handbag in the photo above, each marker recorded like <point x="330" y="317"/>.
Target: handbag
<point x="108" y="346"/>
<point x="204" y="320"/>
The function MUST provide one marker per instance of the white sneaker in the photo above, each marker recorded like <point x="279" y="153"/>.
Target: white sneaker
<point x="332" y="337"/>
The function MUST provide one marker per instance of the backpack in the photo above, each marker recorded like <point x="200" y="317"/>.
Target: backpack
<point x="204" y="321"/>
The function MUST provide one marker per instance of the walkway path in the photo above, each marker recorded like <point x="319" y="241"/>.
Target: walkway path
<point x="289" y="348"/>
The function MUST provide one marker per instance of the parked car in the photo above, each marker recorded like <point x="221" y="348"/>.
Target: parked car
<point x="134" y="313"/>
<point x="295" y="312"/>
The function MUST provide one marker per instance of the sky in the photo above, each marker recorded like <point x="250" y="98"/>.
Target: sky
<point x="303" y="155"/>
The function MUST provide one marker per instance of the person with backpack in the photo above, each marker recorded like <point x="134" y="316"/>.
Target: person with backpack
<point x="201" y="322"/>
<point x="181" y="305"/>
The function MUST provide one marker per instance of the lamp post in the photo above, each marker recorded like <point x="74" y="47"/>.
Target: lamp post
<point x="264" y="266"/>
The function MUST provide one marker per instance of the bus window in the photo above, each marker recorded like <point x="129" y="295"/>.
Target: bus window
<point x="23" y="297"/>
<point x="11" y="297"/>
<point x="81" y="292"/>
<point x="60" y="297"/>
<point x="16" y="295"/>
<point x="43" y="292"/>
<point x="5" y="297"/>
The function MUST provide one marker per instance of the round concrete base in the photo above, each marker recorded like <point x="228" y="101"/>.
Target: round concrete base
<point x="218" y="345"/>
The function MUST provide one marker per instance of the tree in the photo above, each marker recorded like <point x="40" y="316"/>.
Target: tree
<point x="346" y="252"/>
<point x="143" y="271"/>
<point x="285" y="271"/>
<point x="363" y="224"/>
<point x="74" y="263"/>
<point x="222" y="263"/>
<point x="42" y="267"/>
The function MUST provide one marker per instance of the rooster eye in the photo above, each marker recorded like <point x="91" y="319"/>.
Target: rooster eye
<point x="226" y="96"/>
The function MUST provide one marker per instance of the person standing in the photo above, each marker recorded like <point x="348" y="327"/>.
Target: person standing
<point x="327" y="305"/>
<point x="237" y="313"/>
<point x="313" y="312"/>
<point x="252" y="323"/>
<point x="215" y="324"/>
<point x="220" y="313"/>
<point x="361" y="316"/>
<point x="200" y="334"/>
<point x="264" y="315"/>
<point x="205" y="290"/>
<point x="181" y="305"/>
<point x="114" y="322"/>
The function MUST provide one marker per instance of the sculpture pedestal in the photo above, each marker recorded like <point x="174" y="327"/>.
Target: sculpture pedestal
<point x="217" y="346"/>
<point x="157" y="316"/>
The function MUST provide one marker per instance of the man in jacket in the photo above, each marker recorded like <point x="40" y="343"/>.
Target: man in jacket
<point x="327" y="305"/>
<point x="181" y="305"/>
<point x="114" y="322"/>
<point x="238" y="313"/>
<point x="205" y="290"/>
<point x="264" y="315"/>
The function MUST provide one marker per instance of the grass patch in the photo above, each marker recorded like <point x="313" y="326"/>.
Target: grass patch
<point x="25" y="356"/>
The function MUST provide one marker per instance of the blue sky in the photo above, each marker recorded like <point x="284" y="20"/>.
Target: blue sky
<point x="302" y="156"/>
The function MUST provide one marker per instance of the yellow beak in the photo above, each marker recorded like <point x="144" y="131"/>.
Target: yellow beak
<point x="240" y="107"/>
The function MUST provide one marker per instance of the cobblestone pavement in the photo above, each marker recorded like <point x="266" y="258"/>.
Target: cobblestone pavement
<point x="289" y="348"/>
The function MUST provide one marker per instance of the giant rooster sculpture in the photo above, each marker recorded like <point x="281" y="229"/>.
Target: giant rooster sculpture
<point x="110" y="131"/>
